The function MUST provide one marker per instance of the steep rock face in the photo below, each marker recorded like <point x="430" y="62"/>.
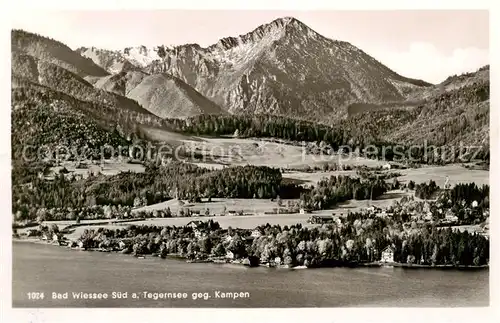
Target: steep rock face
<point x="284" y="67"/>
<point x="116" y="61"/>
<point x="112" y="61"/>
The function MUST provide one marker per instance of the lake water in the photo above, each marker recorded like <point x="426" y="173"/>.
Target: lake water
<point x="48" y="269"/>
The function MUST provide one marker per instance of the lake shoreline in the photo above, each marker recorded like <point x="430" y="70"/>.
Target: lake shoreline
<point x="241" y="262"/>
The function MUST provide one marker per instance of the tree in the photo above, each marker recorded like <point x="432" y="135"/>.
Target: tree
<point x="237" y="246"/>
<point x="395" y="184"/>
<point x="53" y="229"/>
<point x="137" y="201"/>
<point x="206" y="245"/>
<point x="219" y="250"/>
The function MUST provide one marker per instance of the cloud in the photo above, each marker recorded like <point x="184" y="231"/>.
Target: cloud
<point x="424" y="61"/>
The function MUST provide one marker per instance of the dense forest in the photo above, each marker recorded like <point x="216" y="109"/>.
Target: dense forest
<point x="333" y="190"/>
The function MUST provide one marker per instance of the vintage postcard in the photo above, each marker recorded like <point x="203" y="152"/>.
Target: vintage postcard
<point x="250" y="159"/>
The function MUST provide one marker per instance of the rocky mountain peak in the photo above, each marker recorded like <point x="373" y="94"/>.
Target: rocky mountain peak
<point x="274" y="30"/>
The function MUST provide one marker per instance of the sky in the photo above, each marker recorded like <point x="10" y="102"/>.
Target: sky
<point x="428" y="45"/>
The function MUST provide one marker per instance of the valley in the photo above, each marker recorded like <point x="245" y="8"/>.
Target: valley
<point x="279" y="146"/>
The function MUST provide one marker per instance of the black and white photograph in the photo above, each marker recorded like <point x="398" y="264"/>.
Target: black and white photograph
<point x="250" y="158"/>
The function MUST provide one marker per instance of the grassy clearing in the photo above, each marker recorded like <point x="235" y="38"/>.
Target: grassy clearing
<point x="456" y="173"/>
<point x="235" y="151"/>
<point x="314" y="177"/>
<point x="217" y="205"/>
<point x="107" y="167"/>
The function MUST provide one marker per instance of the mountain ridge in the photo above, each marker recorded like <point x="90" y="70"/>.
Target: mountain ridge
<point x="251" y="73"/>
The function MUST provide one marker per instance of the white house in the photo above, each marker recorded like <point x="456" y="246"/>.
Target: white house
<point x="387" y="255"/>
<point x="229" y="255"/>
<point x="386" y="166"/>
<point x="450" y="216"/>
<point x="474" y="204"/>
<point x="198" y="233"/>
<point x="193" y="224"/>
<point x="382" y="214"/>
<point x="256" y="233"/>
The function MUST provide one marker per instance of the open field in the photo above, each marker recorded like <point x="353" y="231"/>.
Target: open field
<point x="107" y="167"/>
<point x="166" y="136"/>
<point x="222" y="152"/>
<point x="237" y="151"/>
<point x="314" y="177"/>
<point x="456" y="173"/>
<point x="217" y="205"/>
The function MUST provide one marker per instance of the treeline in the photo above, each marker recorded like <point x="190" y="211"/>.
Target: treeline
<point x="359" y="241"/>
<point x="333" y="190"/>
<point x="468" y="193"/>
<point x="426" y="191"/>
<point x="263" y="126"/>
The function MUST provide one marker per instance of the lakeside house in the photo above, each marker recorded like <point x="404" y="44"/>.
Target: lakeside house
<point x="304" y="211"/>
<point x="449" y="216"/>
<point x="387" y="255"/>
<point x="194" y="224"/>
<point x="256" y="233"/>
<point x="229" y="255"/>
<point x="321" y="219"/>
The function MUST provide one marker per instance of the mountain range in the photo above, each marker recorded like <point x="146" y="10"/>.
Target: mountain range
<point x="281" y="68"/>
